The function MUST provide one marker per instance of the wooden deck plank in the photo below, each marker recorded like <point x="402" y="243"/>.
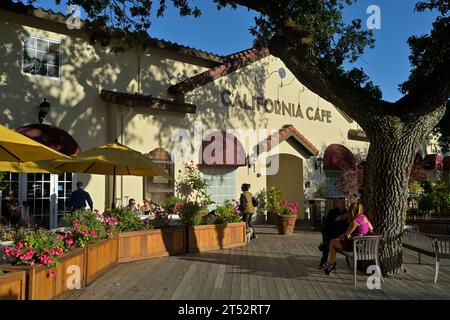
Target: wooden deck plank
<point x="270" y="267"/>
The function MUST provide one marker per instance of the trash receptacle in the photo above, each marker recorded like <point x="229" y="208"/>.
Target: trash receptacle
<point x="317" y="212"/>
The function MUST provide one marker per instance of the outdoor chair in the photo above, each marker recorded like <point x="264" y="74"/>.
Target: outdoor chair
<point x="441" y="248"/>
<point x="432" y="245"/>
<point x="365" y="248"/>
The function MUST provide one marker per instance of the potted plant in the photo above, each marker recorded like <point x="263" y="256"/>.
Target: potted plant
<point x="96" y="232"/>
<point x="286" y="217"/>
<point x="274" y="197"/>
<point x="138" y="240"/>
<point x="40" y="254"/>
<point x="221" y="230"/>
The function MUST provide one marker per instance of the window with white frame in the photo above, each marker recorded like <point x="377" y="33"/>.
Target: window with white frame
<point x="41" y="57"/>
<point x="331" y="181"/>
<point x="222" y="184"/>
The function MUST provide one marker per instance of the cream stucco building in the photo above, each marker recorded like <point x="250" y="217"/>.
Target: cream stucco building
<point x="153" y="101"/>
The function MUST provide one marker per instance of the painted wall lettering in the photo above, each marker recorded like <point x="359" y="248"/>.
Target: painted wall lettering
<point x="279" y="107"/>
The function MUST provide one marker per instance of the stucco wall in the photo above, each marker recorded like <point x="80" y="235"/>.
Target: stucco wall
<point x="78" y="109"/>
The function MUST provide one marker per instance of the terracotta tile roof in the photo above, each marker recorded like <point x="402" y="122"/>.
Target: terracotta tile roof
<point x="360" y="135"/>
<point x="231" y="63"/>
<point x="286" y="132"/>
<point x="139" y="100"/>
<point x="29" y="10"/>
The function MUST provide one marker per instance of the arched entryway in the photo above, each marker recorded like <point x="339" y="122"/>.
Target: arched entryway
<point x="289" y="178"/>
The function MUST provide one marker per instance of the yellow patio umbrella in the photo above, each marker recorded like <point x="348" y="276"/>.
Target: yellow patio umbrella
<point x="26" y="167"/>
<point x="111" y="159"/>
<point x="15" y="147"/>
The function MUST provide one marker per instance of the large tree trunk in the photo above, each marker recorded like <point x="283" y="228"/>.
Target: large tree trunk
<point x="393" y="146"/>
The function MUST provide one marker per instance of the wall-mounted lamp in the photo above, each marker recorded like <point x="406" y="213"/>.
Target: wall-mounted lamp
<point x="251" y="160"/>
<point x="282" y="73"/>
<point x="44" y="107"/>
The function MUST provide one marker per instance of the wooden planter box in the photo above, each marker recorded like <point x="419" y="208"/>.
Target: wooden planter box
<point x="216" y="236"/>
<point x="100" y="258"/>
<point x="41" y="286"/>
<point x="139" y="245"/>
<point x="12" y="285"/>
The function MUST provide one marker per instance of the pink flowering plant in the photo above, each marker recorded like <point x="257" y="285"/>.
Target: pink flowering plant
<point x="89" y="227"/>
<point x="38" y="246"/>
<point x="288" y="208"/>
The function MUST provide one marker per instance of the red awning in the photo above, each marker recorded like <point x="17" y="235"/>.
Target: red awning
<point x="51" y="136"/>
<point x="433" y="162"/>
<point x="221" y="148"/>
<point x="338" y="157"/>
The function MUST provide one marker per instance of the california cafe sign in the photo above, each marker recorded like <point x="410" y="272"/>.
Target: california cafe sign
<point x="278" y="107"/>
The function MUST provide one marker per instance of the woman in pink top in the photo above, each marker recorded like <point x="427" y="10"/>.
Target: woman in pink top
<point x="359" y="226"/>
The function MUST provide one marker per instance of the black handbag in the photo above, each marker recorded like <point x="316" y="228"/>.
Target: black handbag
<point x="254" y="202"/>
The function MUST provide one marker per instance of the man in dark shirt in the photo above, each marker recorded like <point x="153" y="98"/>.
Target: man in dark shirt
<point x="336" y="223"/>
<point x="79" y="198"/>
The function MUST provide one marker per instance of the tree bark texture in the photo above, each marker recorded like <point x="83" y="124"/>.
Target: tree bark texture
<point x="393" y="146"/>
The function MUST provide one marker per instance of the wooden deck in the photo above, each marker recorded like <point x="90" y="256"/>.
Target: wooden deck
<point x="270" y="267"/>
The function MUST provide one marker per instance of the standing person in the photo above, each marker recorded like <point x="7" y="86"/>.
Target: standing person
<point x="247" y="208"/>
<point x="336" y="222"/>
<point x="79" y="197"/>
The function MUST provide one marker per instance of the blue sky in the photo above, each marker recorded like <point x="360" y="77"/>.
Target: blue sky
<point x="226" y="31"/>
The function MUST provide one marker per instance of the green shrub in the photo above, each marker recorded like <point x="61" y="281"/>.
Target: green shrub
<point x="227" y="213"/>
<point x="274" y="197"/>
<point x="127" y="220"/>
<point x="191" y="213"/>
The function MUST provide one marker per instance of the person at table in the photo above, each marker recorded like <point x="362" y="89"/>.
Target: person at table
<point x="359" y="226"/>
<point x="335" y="224"/>
<point x="147" y="208"/>
<point x="79" y="198"/>
<point x="133" y="206"/>
<point x="14" y="212"/>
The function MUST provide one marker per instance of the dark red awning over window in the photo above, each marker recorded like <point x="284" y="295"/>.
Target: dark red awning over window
<point x="338" y="157"/>
<point x="221" y="148"/>
<point x="51" y="136"/>
<point x="433" y="162"/>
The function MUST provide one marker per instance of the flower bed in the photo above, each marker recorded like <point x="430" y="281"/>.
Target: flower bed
<point x="12" y="285"/>
<point x="100" y="257"/>
<point x="45" y="284"/>
<point x="139" y="245"/>
<point x="216" y="236"/>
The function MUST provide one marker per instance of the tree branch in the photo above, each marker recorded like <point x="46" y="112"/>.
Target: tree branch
<point x="292" y="46"/>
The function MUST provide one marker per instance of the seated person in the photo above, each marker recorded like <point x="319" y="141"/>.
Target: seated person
<point x="14" y="212"/>
<point x="359" y="226"/>
<point x="133" y="206"/>
<point x="147" y="208"/>
<point x="335" y="224"/>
